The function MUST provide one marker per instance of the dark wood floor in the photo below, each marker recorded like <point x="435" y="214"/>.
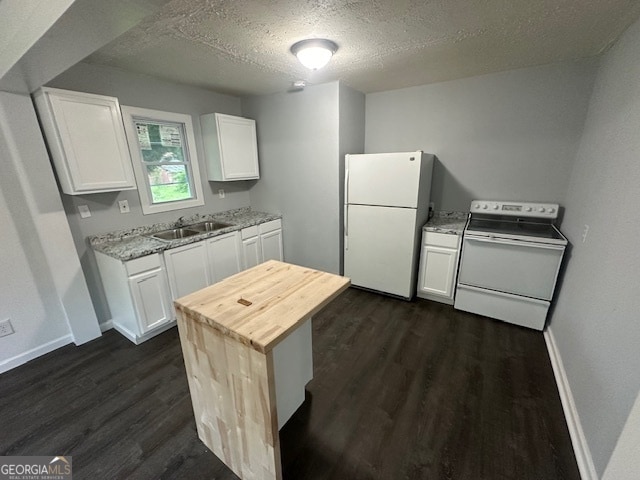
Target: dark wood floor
<point x="401" y="390"/>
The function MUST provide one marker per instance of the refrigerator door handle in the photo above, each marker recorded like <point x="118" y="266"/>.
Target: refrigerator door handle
<point x="346" y="203"/>
<point x="346" y="227"/>
<point x="346" y="182"/>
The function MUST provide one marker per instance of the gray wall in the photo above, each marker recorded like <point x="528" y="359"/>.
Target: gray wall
<point x="299" y="162"/>
<point x="625" y="462"/>
<point x="351" y="122"/>
<point x="148" y="92"/>
<point x="510" y="135"/>
<point x="42" y="289"/>
<point x="596" y="322"/>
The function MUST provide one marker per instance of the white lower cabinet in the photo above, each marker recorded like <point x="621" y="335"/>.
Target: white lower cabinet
<point x="197" y="265"/>
<point x="149" y="294"/>
<point x="261" y="243"/>
<point x="138" y="295"/>
<point x="271" y="240"/>
<point x="251" y="250"/>
<point x="187" y="268"/>
<point x="225" y="256"/>
<point x="438" y="266"/>
<point x="140" y="292"/>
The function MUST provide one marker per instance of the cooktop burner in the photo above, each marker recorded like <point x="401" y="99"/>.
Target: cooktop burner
<point x="515" y="220"/>
<point x="527" y="229"/>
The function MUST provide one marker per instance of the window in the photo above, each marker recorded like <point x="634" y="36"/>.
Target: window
<point x="165" y="163"/>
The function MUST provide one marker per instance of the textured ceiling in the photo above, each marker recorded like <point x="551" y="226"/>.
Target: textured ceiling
<point x="242" y="46"/>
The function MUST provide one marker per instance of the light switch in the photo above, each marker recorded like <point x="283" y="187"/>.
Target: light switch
<point x="124" y="206"/>
<point x="84" y="211"/>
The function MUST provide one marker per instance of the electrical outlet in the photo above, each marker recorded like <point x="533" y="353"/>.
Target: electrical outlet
<point x="432" y="206"/>
<point x="221" y="193"/>
<point x="84" y="211"/>
<point x="585" y="231"/>
<point x="6" y="328"/>
<point x="124" y="206"/>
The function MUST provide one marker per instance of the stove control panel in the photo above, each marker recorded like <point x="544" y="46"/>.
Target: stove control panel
<point x="515" y="209"/>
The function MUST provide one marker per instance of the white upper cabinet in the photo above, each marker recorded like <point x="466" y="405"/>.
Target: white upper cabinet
<point x="86" y="140"/>
<point x="230" y="147"/>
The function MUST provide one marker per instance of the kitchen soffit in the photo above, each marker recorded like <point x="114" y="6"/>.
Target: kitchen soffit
<point x="242" y="46"/>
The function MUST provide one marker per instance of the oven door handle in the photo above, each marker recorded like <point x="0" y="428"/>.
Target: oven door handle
<point x="516" y="243"/>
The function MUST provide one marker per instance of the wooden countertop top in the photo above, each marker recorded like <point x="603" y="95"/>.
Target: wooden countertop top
<point x="262" y="305"/>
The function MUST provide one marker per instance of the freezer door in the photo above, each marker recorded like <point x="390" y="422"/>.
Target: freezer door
<point x="379" y="248"/>
<point x="385" y="179"/>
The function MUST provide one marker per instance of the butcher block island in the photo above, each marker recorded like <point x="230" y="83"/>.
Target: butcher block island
<point x="246" y="343"/>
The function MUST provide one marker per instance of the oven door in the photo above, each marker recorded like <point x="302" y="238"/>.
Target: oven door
<point x="511" y="266"/>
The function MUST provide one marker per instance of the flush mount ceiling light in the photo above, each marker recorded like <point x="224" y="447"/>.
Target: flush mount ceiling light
<point x="314" y="53"/>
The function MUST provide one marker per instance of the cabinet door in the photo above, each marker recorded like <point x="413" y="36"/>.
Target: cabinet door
<point x="271" y="245"/>
<point x="187" y="268"/>
<point x="238" y="147"/>
<point x="251" y="251"/>
<point x="225" y="256"/>
<point x="438" y="270"/>
<point x="150" y="299"/>
<point x="87" y="141"/>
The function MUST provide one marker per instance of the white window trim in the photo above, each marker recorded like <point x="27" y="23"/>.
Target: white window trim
<point x="128" y="114"/>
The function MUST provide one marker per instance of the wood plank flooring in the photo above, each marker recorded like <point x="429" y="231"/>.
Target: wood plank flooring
<point x="401" y="390"/>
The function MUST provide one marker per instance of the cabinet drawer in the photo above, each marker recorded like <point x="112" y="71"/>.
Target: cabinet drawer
<point x="270" y="226"/>
<point x="249" y="232"/>
<point x="142" y="264"/>
<point x="449" y="240"/>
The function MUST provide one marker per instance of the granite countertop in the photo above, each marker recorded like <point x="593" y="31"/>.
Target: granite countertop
<point x="137" y="242"/>
<point x="447" y="222"/>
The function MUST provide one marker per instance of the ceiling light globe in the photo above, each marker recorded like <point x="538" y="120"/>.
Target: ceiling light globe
<point x="314" y="57"/>
<point x="314" y="53"/>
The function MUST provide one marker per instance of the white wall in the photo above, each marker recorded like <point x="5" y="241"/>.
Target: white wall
<point x="42" y="288"/>
<point x="148" y="92"/>
<point x="596" y="322"/>
<point x="22" y="23"/>
<point x="351" y="110"/>
<point x="503" y="136"/>
<point x="625" y="461"/>
<point x="299" y="168"/>
<point x="84" y="27"/>
<point x="27" y="294"/>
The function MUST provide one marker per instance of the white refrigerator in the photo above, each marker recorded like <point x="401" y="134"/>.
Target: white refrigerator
<point x="386" y="203"/>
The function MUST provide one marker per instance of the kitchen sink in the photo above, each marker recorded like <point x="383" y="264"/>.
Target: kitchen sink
<point x="209" y="226"/>
<point x="176" y="233"/>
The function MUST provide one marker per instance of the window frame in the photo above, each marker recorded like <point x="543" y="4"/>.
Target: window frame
<point x="129" y="116"/>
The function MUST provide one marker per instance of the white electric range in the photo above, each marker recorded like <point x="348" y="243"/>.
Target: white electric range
<point x="510" y="259"/>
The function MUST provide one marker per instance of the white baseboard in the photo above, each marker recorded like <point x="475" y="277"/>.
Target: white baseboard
<point x="126" y="332"/>
<point x="579" y="441"/>
<point x="24" y="357"/>
<point x="108" y="325"/>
